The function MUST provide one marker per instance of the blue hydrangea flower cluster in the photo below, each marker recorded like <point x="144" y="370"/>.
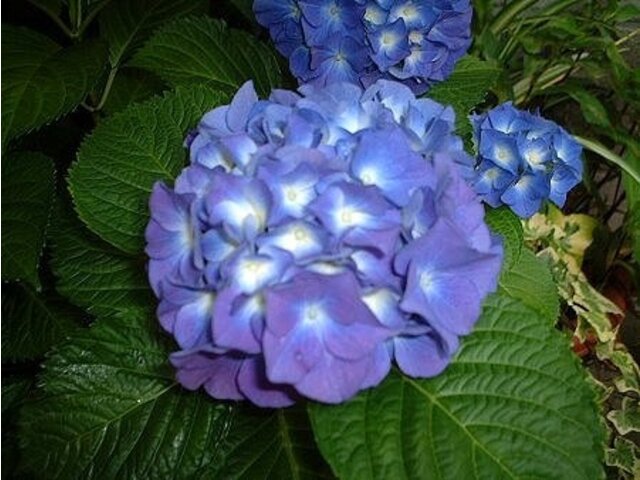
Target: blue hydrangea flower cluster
<point x="316" y="237"/>
<point x="523" y="159"/>
<point x="416" y="42"/>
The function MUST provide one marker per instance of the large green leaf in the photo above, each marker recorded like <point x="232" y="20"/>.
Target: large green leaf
<point x="514" y="403"/>
<point x="42" y="81"/>
<point x="32" y="323"/>
<point x="119" y="163"/>
<point x="126" y="24"/>
<point x="193" y="50"/>
<point x="531" y="282"/>
<point x="110" y="409"/>
<point x="27" y="192"/>
<point x="91" y="273"/>
<point x="266" y="444"/>
<point x="465" y="88"/>
<point x="132" y="86"/>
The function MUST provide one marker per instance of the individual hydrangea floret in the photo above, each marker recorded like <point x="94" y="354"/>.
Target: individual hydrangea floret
<point x="417" y="42"/>
<point x="523" y="159"/>
<point x="314" y="239"/>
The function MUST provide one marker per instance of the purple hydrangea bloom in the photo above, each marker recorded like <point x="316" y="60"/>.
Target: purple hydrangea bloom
<point x="417" y="42"/>
<point x="315" y="238"/>
<point x="523" y="159"/>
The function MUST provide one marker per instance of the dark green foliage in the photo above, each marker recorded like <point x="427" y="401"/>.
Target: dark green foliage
<point x="41" y="80"/>
<point x="119" y="163"/>
<point x="200" y="50"/>
<point x="109" y="89"/>
<point x="91" y="273"/>
<point x="32" y="322"/>
<point x="27" y="194"/>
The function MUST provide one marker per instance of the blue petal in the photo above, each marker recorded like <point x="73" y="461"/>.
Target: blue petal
<point x="535" y="152"/>
<point x="345" y="206"/>
<point x="383" y="302"/>
<point x="240" y="204"/>
<point x="248" y="273"/>
<point x="563" y="179"/>
<point x="525" y="196"/>
<point x="193" y="320"/>
<point x="501" y="149"/>
<point x="447" y="279"/>
<point x="383" y="158"/>
<point x="301" y="239"/>
<point x="491" y="181"/>
<point x="254" y="384"/>
<point x="234" y="321"/>
<point x="421" y="356"/>
<point x="390" y="44"/>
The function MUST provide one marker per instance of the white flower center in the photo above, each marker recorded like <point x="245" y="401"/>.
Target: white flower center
<point x="300" y="234"/>
<point x="427" y="281"/>
<point x="291" y="194"/>
<point x="415" y="37"/>
<point x="346" y="217"/>
<point x="367" y="178"/>
<point x="388" y="39"/>
<point x="502" y="153"/>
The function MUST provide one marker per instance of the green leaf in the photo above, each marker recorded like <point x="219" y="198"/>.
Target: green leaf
<point x="122" y="159"/>
<point x="132" y="86"/>
<point x="465" y="88"/>
<point x="126" y="24"/>
<point x="531" y="283"/>
<point x="625" y="455"/>
<point x="514" y="403"/>
<point x="27" y="191"/>
<point x="624" y="13"/>
<point x="194" y="50"/>
<point x="32" y="323"/>
<point x="42" y="81"/>
<point x="14" y="390"/>
<point x="507" y="224"/>
<point x="628" y="165"/>
<point x="91" y="273"/>
<point x="110" y="409"/>
<point x="592" y="109"/>
<point x="627" y="418"/>
<point x="266" y="444"/>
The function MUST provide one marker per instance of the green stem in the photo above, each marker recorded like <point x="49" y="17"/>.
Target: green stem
<point x="105" y="93"/>
<point x="107" y="88"/>
<point x="54" y="17"/>
<point x="95" y="11"/>
<point x="604" y="152"/>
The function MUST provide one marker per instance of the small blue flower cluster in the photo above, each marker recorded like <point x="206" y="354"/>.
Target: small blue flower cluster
<point x="417" y="42"/>
<point x="523" y="159"/>
<point x="314" y="239"/>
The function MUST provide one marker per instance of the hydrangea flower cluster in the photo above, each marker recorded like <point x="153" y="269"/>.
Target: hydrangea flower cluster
<point x="417" y="42"/>
<point x="523" y="159"/>
<point x="316" y="237"/>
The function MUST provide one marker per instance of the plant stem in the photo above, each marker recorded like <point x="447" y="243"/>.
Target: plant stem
<point x="94" y="12"/>
<point x="54" y="17"/>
